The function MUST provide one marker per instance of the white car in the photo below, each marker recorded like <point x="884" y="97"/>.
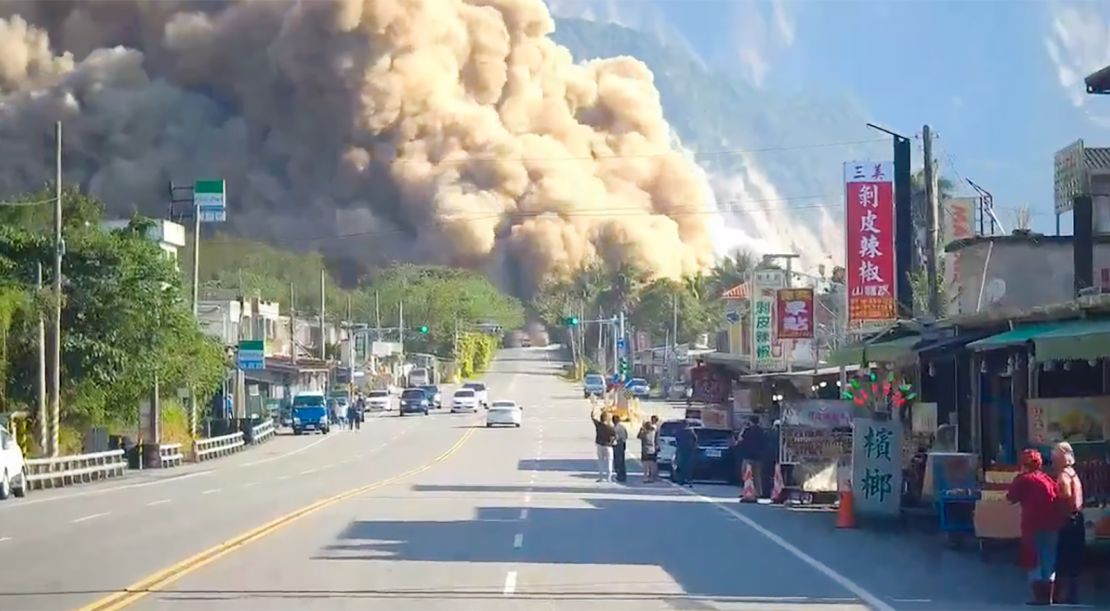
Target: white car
<point x="638" y="387"/>
<point x="479" y="391"/>
<point x="464" y="400"/>
<point x="668" y="440"/>
<point x="13" y="473"/>
<point x="506" y="413"/>
<point x="379" y="400"/>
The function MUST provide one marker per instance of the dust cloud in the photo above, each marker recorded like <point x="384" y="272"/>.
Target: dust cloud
<point x="445" y="131"/>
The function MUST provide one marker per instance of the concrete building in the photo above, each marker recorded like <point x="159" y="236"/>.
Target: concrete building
<point x="169" y="236"/>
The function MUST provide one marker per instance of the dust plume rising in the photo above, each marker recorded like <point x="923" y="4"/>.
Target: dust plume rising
<point x="446" y="131"/>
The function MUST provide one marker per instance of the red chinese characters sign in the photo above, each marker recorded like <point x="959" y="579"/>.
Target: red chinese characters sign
<point x="869" y="224"/>
<point x="795" y="313"/>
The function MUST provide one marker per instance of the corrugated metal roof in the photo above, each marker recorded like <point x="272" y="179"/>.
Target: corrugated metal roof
<point x="1097" y="158"/>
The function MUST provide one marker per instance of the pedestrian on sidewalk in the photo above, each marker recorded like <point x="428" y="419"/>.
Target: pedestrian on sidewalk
<point x="1069" y="549"/>
<point x="649" y="449"/>
<point x="1035" y="491"/>
<point x="355" y="415"/>
<point x="604" y="438"/>
<point x="753" y="452"/>
<point x="619" y="449"/>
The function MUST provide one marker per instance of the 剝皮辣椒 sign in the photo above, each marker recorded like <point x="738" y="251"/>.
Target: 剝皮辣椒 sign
<point x="869" y="228"/>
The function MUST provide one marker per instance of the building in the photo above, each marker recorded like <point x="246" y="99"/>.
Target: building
<point x="169" y="236"/>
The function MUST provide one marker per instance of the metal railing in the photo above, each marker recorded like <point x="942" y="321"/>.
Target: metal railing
<point x="204" y="449"/>
<point x="75" y="469"/>
<point x="171" y="455"/>
<point x="262" y="431"/>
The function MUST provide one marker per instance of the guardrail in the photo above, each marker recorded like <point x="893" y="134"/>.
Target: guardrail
<point x="171" y="455"/>
<point x="204" y="449"/>
<point x="262" y="431"/>
<point x="75" y="469"/>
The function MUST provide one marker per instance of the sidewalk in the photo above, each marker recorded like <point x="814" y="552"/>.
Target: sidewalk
<point x="910" y="568"/>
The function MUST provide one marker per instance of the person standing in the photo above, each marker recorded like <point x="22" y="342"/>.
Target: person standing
<point x="1035" y="491"/>
<point x="620" y="447"/>
<point x="604" y="438"/>
<point x="1071" y="538"/>
<point x="355" y="415"/>
<point x="649" y="449"/>
<point x="685" y="455"/>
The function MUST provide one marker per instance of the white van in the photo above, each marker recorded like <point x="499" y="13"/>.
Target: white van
<point x="13" y="472"/>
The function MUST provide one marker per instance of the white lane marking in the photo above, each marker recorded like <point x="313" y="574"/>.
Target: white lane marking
<point x="308" y="471"/>
<point x="518" y="541"/>
<point x="873" y="601"/>
<point x="159" y="502"/>
<point x="288" y="454"/>
<point x="74" y="495"/>
<point x="92" y="516"/>
<point x="528" y="498"/>
<point x="280" y="477"/>
<point x="912" y="600"/>
<point x="211" y="490"/>
<point x="524" y="514"/>
<point x="3" y="539"/>
<point x="249" y="484"/>
<point x="510" y="584"/>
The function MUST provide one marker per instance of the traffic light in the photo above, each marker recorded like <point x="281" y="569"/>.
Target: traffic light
<point x="570" y="321"/>
<point x="623" y="370"/>
<point x="423" y="329"/>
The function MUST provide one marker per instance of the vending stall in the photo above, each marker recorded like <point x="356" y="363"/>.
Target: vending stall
<point x="815" y="438"/>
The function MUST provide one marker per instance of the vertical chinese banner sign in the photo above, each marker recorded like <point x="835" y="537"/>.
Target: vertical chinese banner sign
<point x="877" y="467"/>
<point x="794" y="314"/>
<point x="959" y="222"/>
<point x="869" y="225"/>
<point x="766" y="349"/>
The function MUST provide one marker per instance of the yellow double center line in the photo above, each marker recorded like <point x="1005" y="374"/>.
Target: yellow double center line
<point x="165" y="577"/>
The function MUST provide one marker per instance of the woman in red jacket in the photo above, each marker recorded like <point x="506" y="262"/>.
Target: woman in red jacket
<point x="1036" y="491"/>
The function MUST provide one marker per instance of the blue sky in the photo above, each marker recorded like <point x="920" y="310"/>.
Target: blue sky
<point x="1000" y="81"/>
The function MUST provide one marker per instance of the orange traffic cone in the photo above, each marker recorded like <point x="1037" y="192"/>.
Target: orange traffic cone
<point x="748" y="495"/>
<point x="846" y="514"/>
<point x="779" y="486"/>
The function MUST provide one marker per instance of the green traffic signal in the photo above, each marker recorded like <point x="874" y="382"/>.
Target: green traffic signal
<point x="423" y="329"/>
<point x="570" y="321"/>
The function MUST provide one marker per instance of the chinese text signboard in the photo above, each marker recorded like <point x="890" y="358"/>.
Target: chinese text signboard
<point x="795" y="313"/>
<point x="869" y="225"/>
<point x="766" y="350"/>
<point x="877" y="466"/>
<point x="959" y="221"/>
<point x="210" y="200"/>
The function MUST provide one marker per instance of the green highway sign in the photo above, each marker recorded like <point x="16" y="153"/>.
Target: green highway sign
<point x="252" y="354"/>
<point x="210" y="200"/>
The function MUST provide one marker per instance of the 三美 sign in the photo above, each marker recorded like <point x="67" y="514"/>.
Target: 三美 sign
<point x="869" y="229"/>
<point x="210" y="200"/>
<point x="766" y="350"/>
<point x="252" y="354"/>
<point x="795" y="314"/>
<point x="877" y="466"/>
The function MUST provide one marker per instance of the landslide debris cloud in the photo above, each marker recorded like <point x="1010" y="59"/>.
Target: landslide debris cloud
<point x="449" y="131"/>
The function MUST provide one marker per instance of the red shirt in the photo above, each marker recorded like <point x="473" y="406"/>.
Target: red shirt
<point x="1037" y="494"/>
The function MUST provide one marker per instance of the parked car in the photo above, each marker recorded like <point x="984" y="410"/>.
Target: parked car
<point x="593" y="385"/>
<point x="414" y="401"/>
<point x="715" y="460"/>
<point x="13" y="471"/>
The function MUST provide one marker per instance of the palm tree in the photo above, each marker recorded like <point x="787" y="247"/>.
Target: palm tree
<point x="623" y="284"/>
<point x="731" y="270"/>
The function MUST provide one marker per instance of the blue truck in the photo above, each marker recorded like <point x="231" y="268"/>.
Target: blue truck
<point x="310" y="413"/>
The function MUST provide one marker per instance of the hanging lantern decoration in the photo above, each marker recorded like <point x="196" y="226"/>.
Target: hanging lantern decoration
<point x="876" y="394"/>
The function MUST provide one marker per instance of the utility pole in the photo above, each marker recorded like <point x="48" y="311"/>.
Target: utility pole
<point x="59" y="250"/>
<point x="196" y="254"/>
<point x="401" y="325"/>
<point x="350" y="350"/>
<point x="672" y="341"/>
<point x="323" y="336"/>
<point x="41" y="387"/>
<point x="931" y="222"/>
<point x="292" y="325"/>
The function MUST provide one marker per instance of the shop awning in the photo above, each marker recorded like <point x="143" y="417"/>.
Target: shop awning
<point x="1014" y="337"/>
<point x="889" y="351"/>
<point x="1077" y="339"/>
<point x="940" y="346"/>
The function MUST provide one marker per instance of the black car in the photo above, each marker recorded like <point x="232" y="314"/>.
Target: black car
<point x="414" y="401"/>
<point x="434" y="397"/>
<point x="715" y="461"/>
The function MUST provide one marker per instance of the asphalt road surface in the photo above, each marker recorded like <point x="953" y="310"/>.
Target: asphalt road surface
<point x="439" y="512"/>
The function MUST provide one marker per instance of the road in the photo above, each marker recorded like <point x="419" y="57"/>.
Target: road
<point x="439" y="512"/>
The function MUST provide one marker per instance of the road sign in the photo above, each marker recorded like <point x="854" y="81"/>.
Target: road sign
<point x="210" y="199"/>
<point x="252" y="354"/>
<point x="732" y="316"/>
<point x="620" y="344"/>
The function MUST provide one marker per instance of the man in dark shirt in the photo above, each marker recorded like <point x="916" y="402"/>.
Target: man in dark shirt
<point x="753" y="452"/>
<point x="605" y="437"/>
<point x="685" y="455"/>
